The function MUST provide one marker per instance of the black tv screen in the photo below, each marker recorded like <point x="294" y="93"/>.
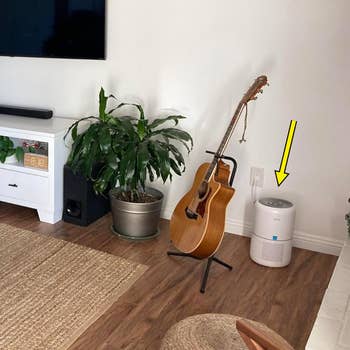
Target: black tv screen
<point x="53" y="28"/>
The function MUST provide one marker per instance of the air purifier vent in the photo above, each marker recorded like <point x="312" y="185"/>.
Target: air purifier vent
<point x="272" y="252"/>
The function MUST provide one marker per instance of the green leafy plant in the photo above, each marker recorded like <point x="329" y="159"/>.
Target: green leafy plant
<point x="128" y="150"/>
<point x="7" y="149"/>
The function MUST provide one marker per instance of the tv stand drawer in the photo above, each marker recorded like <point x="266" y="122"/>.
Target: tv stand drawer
<point x="24" y="187"/>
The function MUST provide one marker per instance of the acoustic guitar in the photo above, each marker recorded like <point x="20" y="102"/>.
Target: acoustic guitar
<point x="198" y="221"/>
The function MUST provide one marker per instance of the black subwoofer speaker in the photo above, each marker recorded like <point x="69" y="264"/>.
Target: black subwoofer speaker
<point x="81" y="204"/>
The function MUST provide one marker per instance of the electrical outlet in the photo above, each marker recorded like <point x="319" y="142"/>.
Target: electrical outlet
<point x="257" y="176"/>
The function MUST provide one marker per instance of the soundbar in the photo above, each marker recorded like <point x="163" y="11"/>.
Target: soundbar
<point x="26" y="112"/>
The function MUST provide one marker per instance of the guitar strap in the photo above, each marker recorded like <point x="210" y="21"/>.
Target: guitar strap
<point x="243" y="139"/>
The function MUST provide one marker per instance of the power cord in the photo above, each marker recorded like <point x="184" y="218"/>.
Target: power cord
<point x="253" y="190"/>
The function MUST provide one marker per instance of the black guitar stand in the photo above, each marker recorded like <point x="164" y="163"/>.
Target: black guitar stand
<point x="212" y="258"/>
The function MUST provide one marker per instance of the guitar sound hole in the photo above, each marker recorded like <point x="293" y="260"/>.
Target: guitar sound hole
<point x="200" y="209"/>
<point x="201" y="206"/>
<point x="203" y="188"/>
<point x="190" y="214"/>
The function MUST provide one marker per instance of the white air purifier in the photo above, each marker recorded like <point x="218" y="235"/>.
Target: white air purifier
<point x="271" y="243"/>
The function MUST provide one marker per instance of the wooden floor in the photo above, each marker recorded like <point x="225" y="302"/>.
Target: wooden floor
<point x="285" y="299"/>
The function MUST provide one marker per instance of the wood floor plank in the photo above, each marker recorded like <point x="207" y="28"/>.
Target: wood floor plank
<point x="286" y="299"/>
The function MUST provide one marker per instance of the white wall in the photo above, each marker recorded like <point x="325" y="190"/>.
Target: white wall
<point x="199" y="57"/>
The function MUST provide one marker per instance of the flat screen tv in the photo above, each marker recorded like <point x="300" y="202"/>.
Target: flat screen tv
<point x="53" y="28"/>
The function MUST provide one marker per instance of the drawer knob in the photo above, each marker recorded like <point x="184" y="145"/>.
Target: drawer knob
<point x="13" y="185"/>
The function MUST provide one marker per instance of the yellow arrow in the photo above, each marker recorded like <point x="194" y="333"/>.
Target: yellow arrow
<point x="281" y="174"/>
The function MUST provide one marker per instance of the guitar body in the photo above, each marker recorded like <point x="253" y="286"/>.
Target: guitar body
<point x="201" y="236"/>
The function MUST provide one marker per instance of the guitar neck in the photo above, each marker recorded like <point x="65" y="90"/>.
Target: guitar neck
<point x="224" y="141"/>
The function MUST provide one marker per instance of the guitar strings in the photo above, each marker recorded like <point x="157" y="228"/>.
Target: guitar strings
<point x="244" y="106"/>
<point x="234" y="126"/>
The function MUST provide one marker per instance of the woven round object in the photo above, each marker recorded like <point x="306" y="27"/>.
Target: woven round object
<point x="204" y="332"/>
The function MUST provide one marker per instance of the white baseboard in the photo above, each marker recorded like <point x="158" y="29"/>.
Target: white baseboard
<point x="301" y="239"/>
<point x="317" y="243"/>
<point x="238" y="227"/>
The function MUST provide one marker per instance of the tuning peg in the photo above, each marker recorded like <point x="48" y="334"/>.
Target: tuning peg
<point x="268" y="84"/>
<point x="261" y="91"/>
<point x="255" y="98"/>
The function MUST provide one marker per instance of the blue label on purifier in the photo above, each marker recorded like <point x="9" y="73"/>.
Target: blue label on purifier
<point x="274" y="238"/>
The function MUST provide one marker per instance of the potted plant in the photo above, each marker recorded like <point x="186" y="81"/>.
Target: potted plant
<point x="8" y="153"/>
<point x="131" y="151"/>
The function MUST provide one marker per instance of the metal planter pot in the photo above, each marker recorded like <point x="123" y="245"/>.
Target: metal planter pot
<point x="136" y="221"/>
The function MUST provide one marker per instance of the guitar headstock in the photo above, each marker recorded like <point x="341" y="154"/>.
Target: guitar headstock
<point x="256" y="88"/>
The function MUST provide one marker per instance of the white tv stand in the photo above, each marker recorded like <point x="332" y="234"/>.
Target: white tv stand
<point x="30" y="187"/>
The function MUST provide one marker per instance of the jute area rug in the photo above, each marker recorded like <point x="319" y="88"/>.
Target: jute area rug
<point x="52" y="290"/>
